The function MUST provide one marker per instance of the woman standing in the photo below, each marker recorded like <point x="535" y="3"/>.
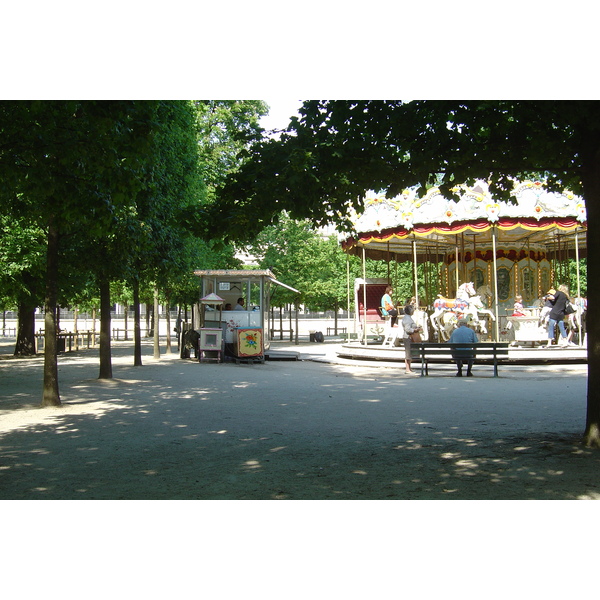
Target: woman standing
<point x="557" y="314"/>
<point x="410" y="327"/>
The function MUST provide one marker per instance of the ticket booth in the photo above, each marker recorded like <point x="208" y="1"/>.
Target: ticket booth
<point x="245" y="307"/>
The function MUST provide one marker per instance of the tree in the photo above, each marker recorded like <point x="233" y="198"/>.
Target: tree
<point x="337" y="150"/>
<point x="65" y="166"/>
<point x="304" y="258"/>
<point x="150" y="234"/>
<point x="22" y="276"/>
<point x="225" y="130"/>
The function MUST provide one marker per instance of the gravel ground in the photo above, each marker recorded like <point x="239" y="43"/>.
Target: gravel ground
<point x="319" y="428"/>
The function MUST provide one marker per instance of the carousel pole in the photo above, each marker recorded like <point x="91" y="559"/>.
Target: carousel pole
<point x="456" y="280"/>
<point x="348" y="298"/>
<point x="496" y="323"/>
<point x="388" y="262"/>
<point x="415" y="273"/>
<point x="579" y="303"/>
<point x="463" y="258"/>
<point x="561" y="270"/>
<point x="364" y="268"/>
<point x="426" y="275"/>
<point x="577" y="264"/>
<point x="474" y="258"/>
<point x="530" y="269"/>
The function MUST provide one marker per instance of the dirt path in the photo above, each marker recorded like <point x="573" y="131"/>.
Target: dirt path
<point x="176" y="429"/>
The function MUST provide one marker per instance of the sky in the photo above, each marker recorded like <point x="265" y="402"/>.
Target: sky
<point x="280" y="112"/>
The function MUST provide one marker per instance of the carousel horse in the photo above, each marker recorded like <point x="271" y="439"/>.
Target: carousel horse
<point x="420" y="318"/>
<point x="475" y="307"/>
<point x="485" y="292"/>
<point x="394" y="335"/>
<point x="575" y="321"/>
<point x="443" y="305"/>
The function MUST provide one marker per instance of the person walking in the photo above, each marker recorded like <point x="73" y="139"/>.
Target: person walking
<point x="557" y="314"/>
<point x="410" y="326"/>
<point x="463" y="334"/>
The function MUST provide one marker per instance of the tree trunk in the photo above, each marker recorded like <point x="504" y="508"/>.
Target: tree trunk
<point x="25" y="345"/>
<point x="155" y="326"/>
<point x="51" y="396"/>
<point x="75" y="327"/>
<point x="178" y="327"/>
<point x="105" y="357"/>
<point x="149" y="330"/>
<point x="137" y="334"/>
<point x="335" y="317"/>
<point x="126" y="321"/>
<point x="168" y="319"/>
<point x="591" y="189"/>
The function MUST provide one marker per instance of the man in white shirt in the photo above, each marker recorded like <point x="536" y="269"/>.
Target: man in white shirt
<point x="240" y="305"/>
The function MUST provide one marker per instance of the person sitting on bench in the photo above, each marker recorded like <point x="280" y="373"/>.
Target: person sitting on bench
<point x="387" y="306"/>
<point x="463" y="334"/>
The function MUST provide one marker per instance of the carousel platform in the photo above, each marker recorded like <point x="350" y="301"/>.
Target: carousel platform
<point x="521" y="354"/>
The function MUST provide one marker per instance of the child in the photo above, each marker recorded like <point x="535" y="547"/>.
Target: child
<point x="518" y="307"/>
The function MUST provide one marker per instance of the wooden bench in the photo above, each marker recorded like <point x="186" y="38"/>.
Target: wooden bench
<point x="281" y="332"/>
<point x="488" y="351"/>
<point x="336" y="331"/>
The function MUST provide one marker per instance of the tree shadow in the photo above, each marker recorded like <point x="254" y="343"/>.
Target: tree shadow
<point x="176" y="429"/>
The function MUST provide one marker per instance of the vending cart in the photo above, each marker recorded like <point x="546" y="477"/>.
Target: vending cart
<point x="245" y="305"/>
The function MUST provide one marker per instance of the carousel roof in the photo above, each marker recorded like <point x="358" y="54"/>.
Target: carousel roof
<point x="537" y="216"/>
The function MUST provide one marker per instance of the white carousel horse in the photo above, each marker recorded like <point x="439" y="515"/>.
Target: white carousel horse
<point x="574" y="323"/>
<point x="420" y="318"/>
<point x="448" y="322"/>
<point x="393" y="334"/>
<point x="442" y="305"/>
<point x="476" y="307"/>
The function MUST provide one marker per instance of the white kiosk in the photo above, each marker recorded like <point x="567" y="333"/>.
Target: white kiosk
<point x="244" y="325"/>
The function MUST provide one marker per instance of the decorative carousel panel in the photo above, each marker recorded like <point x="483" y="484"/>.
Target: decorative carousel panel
<point x="527" y="284"/>
<point x="504" y="284"/>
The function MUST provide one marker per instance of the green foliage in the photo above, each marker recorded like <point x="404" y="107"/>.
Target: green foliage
<point x="22" y="262"/>
<point x="337" y="150"/>
<point x="125" y="183"/>
<point x="316" y="266"/>
<point x="225" y="129"/>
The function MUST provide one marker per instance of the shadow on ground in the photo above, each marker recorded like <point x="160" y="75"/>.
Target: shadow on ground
<point x="176" y="429"/>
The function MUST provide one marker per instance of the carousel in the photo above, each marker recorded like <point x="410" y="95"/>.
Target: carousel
<point x="475" y="257"/>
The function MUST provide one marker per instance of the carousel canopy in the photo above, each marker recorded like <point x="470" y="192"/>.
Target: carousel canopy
<point x="537" y="217"/>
